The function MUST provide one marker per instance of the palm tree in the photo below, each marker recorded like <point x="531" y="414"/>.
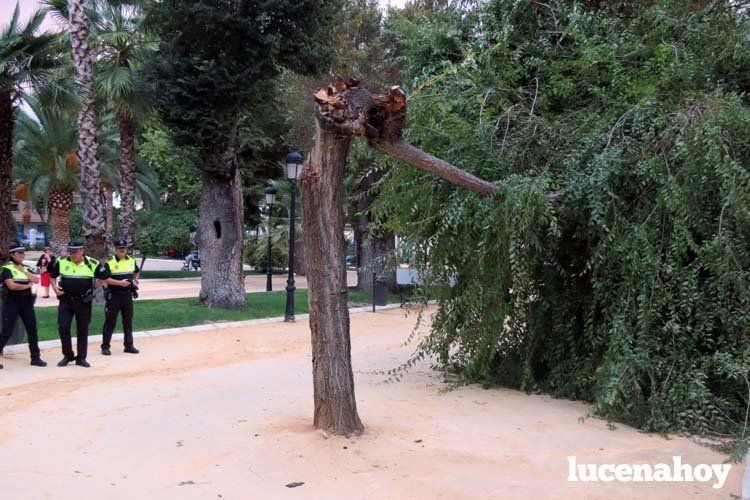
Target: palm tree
<point x="94" y="225"/>
<point x="45" y="148"/>
<point x="122" y="44"/>
<point x="47" y="164"/>
<point x="26" y="58"/>
<point x="144" y="181"/>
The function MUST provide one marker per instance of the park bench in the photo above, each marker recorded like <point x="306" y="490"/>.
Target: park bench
<point x="407" y="279"/>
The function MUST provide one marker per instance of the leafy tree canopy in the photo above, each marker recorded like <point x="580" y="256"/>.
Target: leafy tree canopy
<point x="217" y="56"/>
<point x="636" y="295"/>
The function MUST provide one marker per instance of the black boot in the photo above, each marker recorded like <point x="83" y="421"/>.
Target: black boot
<point x="65" y="361"/>
<point x="106" y="351"/>
<point x="83" y="363"/>
<point x="131" y="350"/>
<point x="38" y="362"/>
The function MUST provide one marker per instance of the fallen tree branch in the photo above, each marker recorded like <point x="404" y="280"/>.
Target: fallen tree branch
<point x="353" y="111"/>
<point x="426" y="162"/>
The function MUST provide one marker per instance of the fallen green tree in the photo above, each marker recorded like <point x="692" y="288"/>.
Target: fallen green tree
<point x="611" y="262"/>
<point x="637" y="296"/>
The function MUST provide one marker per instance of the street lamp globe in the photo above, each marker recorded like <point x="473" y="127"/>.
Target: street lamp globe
<point x="294" y="161"/>
<point x="270" y="195"/>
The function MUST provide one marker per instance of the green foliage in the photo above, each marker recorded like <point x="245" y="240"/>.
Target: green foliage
<point x="26" y="56"/>
<point x="256" y="254"/>
<point x="45" y="145"/>
<point x="636" y="294"/>
<point x="176" y="167"/>
<point x="76" y="223"/>
<point x="160" y="230"/>
<point x="215" y="63"/>
<point x="122" y="44"/>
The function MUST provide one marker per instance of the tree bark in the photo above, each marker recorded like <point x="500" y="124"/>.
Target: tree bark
<point x="94" y="229"/>
<point x="375" y="248"/>
<point x="323" y="235"/>
<point x="300" y="267"/>
<point x="428" y="163"/>
<point x="108" y="195"/>
<point x="221" y="242"/>
<point x="60" y="222"/>
<point x="7" y="121"/>
<point x="127" y="178"/>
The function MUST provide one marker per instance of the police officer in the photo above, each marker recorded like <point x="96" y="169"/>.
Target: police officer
<point x="123" y="278"/>
<point x="79" y="276"/>
<point x="19" y="301"/>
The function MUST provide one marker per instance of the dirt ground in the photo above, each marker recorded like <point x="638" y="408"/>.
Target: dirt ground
<point x="227" y="415"/>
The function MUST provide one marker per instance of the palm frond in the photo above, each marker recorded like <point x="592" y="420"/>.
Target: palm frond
<point x="12" y="27"/>
<point x="58" y="9"/>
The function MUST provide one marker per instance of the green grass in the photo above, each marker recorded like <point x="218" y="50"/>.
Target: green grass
<point x="173" y="313"/>
<point x="162" y="275"/>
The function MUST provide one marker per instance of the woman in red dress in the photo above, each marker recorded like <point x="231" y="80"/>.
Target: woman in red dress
<point x="43" y="265"/>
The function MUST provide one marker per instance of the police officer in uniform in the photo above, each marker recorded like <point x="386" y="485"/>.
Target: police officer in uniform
<point x="123" y="278"/>
<point x="79" y="276"/>
<point x="18" y="301"/>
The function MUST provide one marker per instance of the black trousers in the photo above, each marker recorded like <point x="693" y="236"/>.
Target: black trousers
<point x="66" y="311"/>
<point x="118" y="302"/>
<point x="22" y="307"/>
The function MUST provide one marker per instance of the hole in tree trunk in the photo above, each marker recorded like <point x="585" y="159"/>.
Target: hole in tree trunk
<point x="217" y="228"/>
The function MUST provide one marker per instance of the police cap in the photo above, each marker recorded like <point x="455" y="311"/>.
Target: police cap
<point x="75" y="245"/>
<point x="15" y="246"/>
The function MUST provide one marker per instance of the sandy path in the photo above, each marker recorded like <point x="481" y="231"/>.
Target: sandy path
<point x="172" y="289"/>
<point x="227" y="415"/>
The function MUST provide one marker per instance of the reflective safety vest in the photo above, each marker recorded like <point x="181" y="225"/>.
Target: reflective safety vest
<point x="16" y="275"/>
<point x="84" y="270"/>
<point x="124" y="267"/>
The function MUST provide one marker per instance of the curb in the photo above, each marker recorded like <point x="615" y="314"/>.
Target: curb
<point x="97" y="339"/>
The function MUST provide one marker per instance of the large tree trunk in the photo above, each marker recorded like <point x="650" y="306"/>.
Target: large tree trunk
<point x="300" y="267"/>
<point x="60" y="203"/>
<point x="221" y="242"/>
<point x="377" y="253"/>
<point x="127" y="178"/>
<point x="108" y="197"/>
<point x="375" y="248"/>
<point x="7" y="120"/>
<point x="323" y="234"/>
<point x="94" y="229"/>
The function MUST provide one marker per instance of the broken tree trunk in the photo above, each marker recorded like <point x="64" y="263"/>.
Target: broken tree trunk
<point x="345" y="111"/>
<point x="323" y="234"/>
<point x="382" y="123"/>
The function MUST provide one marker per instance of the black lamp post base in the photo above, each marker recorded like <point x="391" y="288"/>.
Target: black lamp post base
<point x="289" y="313"/>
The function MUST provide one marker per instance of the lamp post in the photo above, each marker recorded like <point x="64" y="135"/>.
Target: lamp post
<point x="270" y="198"/>
<point x="294" y="161"/>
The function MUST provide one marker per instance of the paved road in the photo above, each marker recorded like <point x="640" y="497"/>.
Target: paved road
<point x="151" y="264"/>
<point x="174" y="288"/>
